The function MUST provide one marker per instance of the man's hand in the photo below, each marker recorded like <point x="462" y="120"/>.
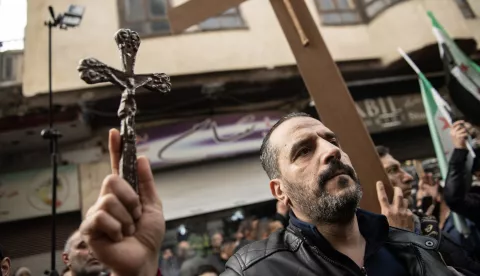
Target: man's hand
<point x="459" y="135"/>
<point x="428" y="185"/>
<point x="397" y="213"/>
<point x="123" y="229"/>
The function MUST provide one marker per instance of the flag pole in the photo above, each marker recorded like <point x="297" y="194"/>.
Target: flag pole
<point x="421" y="76"/>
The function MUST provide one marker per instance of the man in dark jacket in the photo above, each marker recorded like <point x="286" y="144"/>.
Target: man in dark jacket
<point x="327" y="234"/>
<point x="460" y="195"/>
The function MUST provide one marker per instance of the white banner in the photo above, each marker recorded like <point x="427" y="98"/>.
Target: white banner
<point x="29" y="194"/>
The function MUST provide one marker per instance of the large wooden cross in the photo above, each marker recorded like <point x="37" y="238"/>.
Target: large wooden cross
<point x="321" y="77"/>
<point x="93" y="71"/>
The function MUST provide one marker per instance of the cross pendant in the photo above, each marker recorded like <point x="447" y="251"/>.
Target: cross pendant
<point x="93" y="71"/>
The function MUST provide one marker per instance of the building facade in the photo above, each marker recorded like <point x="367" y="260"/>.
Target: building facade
<point x="233" y="76"/>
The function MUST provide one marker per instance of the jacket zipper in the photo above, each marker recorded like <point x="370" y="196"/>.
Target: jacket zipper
<point x="419" y="258"/>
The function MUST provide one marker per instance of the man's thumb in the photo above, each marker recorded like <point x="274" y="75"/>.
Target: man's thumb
<point x="146" y="184"/>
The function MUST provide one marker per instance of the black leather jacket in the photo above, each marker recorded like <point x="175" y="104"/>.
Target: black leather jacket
<point x="458" y="193"/>
<point x="288" y="253"/>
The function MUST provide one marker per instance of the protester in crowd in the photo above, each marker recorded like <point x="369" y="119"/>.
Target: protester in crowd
<point x="169" y="264"/>
<point x="217" y="257"/>
<point x="308" y="172"/>
<point x="460" y="195"/>
<point x="248" y="230"/>
<point x="226" y="251"/>
<point x="184" y="251"/>
<point x="424" y="222"/>
<point x="396" y="174"/>
<point x="445" y="221"/>
<point x="207" y="270"/>
<point x="4" y="263"/>
<point x="79" y="259"/>
<point x="23" y="271"/>
<point x="191" y="260"/>
<point x="216" y="241"/>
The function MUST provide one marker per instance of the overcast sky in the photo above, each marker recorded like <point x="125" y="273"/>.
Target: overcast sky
<point x="13" y="18"/>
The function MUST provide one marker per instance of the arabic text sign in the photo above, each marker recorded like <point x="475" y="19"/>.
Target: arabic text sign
<point x="28" y="194"/>
<point x="213" y="137"/>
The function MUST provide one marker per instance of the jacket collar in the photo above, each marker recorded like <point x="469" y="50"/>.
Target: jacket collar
<point x="374" y="228"/>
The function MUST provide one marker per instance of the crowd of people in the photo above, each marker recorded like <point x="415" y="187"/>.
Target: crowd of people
<point x="430" y="227"/>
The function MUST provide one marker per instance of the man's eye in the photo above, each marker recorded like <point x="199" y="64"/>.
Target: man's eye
<point x="393" y="170"/>
<point x="334" y="141"/>
<point x="303" y="152"/>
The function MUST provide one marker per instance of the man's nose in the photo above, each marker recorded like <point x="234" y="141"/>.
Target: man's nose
<point x="331" y="152"/>
<point x="407" y="178"/>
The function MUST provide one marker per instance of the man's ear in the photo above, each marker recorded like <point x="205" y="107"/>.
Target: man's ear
<point x="278" y="191"/>
<point x="5" y="266"/>
<point x="65" y="259"/>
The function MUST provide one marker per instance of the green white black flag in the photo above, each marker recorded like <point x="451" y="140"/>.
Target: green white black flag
<point x="437" y="111"/>
<point x="463" y="75"/>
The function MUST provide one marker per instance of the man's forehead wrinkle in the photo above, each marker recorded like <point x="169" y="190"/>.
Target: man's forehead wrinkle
<point x="291" y="130"/>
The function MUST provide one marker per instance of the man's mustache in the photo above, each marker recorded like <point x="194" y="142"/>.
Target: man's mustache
<point x="335" y="168"/>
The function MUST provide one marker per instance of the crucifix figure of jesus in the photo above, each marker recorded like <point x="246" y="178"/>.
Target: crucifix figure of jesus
<point x="93" y="71"/>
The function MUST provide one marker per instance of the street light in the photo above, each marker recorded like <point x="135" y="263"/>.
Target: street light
<point x="69" y="19"/>
<point x="73" y="16"/>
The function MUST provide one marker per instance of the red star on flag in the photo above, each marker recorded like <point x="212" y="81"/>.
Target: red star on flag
<point x="463" y="68"/>
<point x="445" y="123"/>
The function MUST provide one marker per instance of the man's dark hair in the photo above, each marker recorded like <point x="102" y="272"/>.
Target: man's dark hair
<point x="268" y="154"/>
<point x="206" y="268"/>
<point x="382" y="151"/>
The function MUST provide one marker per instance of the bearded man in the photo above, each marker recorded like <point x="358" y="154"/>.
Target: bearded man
<point x="328" y="234"/>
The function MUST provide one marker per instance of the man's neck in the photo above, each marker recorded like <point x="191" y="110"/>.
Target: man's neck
<point x="345" y="238"/>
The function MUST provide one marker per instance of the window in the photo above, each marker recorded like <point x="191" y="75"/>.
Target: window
<point x="6" y="66"/>
<point x="339" y="12"/>
<point x="230" y="19"/>
<point x="465" y="8"/>
<point x="345" y="12"/>
<point x="374" y="7"/>
<point x="145" y="16"/>
<point x="150" y="17"/>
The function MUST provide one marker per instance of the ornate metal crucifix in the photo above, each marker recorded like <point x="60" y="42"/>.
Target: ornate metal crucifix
<point x="93" y="71"/>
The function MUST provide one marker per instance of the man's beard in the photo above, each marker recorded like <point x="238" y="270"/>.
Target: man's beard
<point x="323" y="208"/>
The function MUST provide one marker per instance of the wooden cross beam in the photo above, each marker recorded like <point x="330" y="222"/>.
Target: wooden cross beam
<point x="321" y="77"/>
<point x="93" y="71"/>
